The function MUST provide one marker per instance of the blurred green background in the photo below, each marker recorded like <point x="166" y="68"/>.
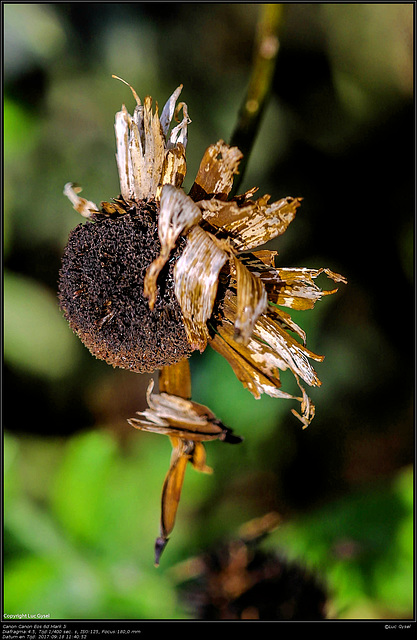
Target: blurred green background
<point x="81" y="488"/>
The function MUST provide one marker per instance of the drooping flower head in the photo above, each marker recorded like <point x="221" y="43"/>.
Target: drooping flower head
<point x="157" y="274"/>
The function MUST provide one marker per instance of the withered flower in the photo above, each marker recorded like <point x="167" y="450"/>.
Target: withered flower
<point x="157" y="274"/>
<point x="239" y="580"/>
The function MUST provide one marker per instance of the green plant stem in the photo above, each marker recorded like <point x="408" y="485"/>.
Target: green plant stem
<point x="263" y="67"/>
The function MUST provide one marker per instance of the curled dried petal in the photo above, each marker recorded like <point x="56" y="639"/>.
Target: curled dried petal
<point x="196" y="281"/>
<point x="179" y="133"/>
<point x="177" y="417"/>
<point x="251" y="301"/>
<point x="255" y="366"/>
<point x="247" y="369"/>
<point x="83" y="206"/>
<point x="169" y="109"/>
<point x="295" y="355"/>
<point x="269" y="349"/>
<point x="177" y="214"/>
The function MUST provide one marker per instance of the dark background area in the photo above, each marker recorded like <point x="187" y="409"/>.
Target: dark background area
<point x="338" y="131"/>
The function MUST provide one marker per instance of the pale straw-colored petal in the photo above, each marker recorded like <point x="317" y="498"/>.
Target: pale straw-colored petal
<point x="295" y="355"/>
<point x="142" y="148"/>
<point x="85" y="207"/>
<point x="124" y="165"/>
<point x="285" y="321"/>
<point x="177" y="214"/>
<point x="179" y="134"/>
<point x="252" y="223"/>
<point x="215" y="174"/>
<point x="150" y="163"/>
<point x="196" y="280"/>
<point x="168" y="110"/>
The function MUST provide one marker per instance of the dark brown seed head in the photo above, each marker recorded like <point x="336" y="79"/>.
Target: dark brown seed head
<point x="101" y="292"/>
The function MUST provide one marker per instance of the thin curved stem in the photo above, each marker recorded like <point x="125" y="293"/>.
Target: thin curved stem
<point x="263" y="67"/>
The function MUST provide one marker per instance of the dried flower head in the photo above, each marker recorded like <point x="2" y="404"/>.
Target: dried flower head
<point x="239" y="580"/>
<point x="157" y="274"/>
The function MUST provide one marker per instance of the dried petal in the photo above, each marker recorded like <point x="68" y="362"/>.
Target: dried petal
<point x="285" y="321"/>
<point x="291" y="352"/>
<point x="251" y="301"/>
<point x="179" y="133"/>
<point x="196" y="280"/>
<point x="252" y="223"/>
<point x="308" y="409"/>
<point x="146" y="157"/>
<point x="198" y="459"/>
<point x="177" y="214"/>
<point x="187" y="424"/>
<point x="124" y="165"/>
<point x="171" y="492"/>
<point x="291" y="287"/>
<point x="168" y="110"/>
<point x="176" y="379"/>
<point x="246" y="369"/>
<point x="295" y="288"/>
<point x="147" y="154"/>
<point x="174" y="168"/>
<point x="215" y="175"/>
<point x="255" y="366"/>
<point x="269" y="349"/>
<point x="177" y="417"/>
<point x="83" y="206"/>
